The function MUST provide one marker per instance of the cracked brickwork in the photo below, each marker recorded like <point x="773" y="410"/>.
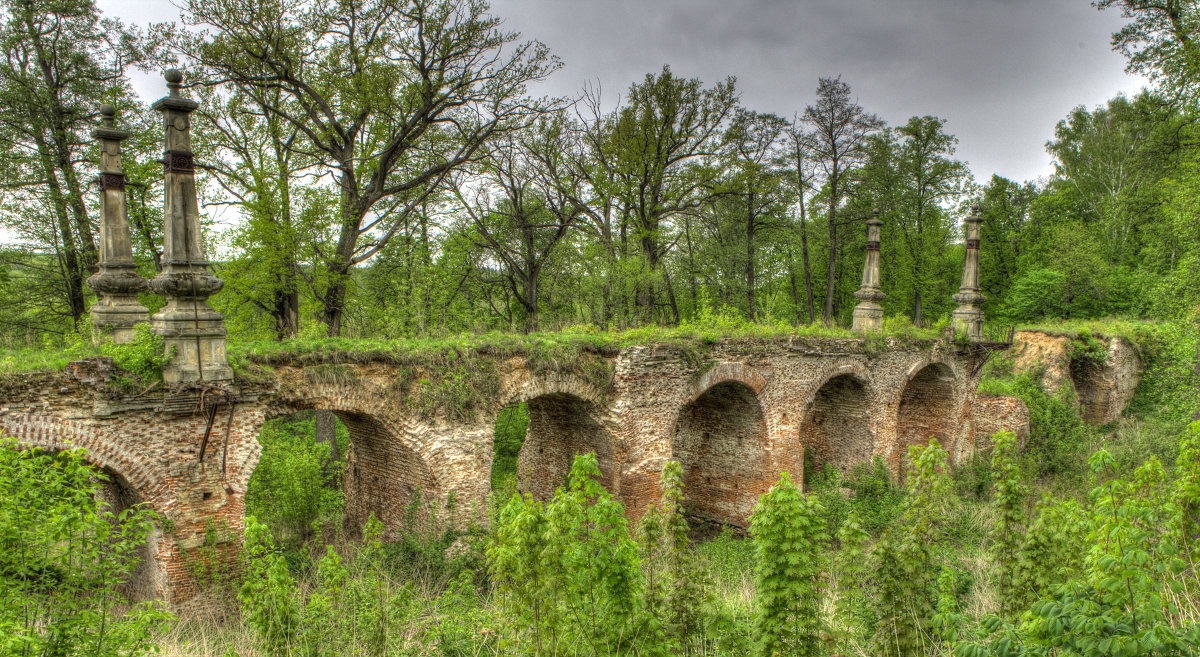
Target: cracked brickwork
<point x="736" y="414"/>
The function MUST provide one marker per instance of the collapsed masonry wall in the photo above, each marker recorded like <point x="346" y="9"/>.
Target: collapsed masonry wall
<point x="1101" y="393"/>
<point x="993" y="414"/>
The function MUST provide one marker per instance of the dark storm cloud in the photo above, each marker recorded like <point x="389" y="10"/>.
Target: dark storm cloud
<point x="1002" y="72"/>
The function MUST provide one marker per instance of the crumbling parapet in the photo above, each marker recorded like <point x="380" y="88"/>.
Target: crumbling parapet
<point x="117" y="282"/>
<point x="193" y="331"/>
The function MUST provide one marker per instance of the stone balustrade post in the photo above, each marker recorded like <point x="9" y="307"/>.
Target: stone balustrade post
<point x="194" y="332"/>
<point x="116" y="282"/>
<point x="968" y="316"/>
<point x="868" y="314"/>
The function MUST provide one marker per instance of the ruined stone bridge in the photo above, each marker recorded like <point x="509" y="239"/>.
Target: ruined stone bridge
<point x="736" y="418"/>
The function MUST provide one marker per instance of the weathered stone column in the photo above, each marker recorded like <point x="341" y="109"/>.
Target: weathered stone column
<point x="969" y="315"/>
<point x="117" y="282"/>
<point x="191" y="328"/>
<point x="868" y="314"/>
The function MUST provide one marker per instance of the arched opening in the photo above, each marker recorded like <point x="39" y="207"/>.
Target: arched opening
<point x="330" y="470"/>
<point x="1086" y="377"/>
<point x="537" y="441"/>
<point x="146" y="580"/>
<point x="296" y="488"/>
<point x="384" y="477"/>
<point x="837" y="428"/>
<point x="926" y="408"/>
<point x="720" y="440"/>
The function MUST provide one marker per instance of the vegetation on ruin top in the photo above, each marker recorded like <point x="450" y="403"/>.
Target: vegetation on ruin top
<point x="567" y="344"/>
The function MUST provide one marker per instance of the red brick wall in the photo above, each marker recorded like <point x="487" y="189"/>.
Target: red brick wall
<point x="836" y="430"/>
<point x="737" y="414"/>
<point x="720" y="440"/>
<point x="560" y="427"/>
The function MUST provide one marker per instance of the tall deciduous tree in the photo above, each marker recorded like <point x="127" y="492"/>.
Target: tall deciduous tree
<point x="1160" y="42"/>
<point x="521" y="213"/>
<point x="60" y="60"/>
<point x="930" y="182"/>
<point x="658" y="140"/>
<point x="840" y="128"/>
<point x="752" y="152"/>
<point x="390" y="96"/>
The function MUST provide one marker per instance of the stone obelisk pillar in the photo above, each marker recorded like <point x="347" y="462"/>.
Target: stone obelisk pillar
<point x="868" y="314"/>
<point x="968" y="316"/>
<point x="116" y="282"/>
<point x="194" y="332"/>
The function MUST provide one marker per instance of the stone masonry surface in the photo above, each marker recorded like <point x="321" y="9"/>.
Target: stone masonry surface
<point x="735" y="416"/>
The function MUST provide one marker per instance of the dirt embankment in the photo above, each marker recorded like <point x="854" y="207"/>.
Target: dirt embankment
<point x="1103" y="387"/>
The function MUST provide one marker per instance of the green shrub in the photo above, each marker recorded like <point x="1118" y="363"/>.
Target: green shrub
<point x="63" y="559"/>
<point x="789" y="538"/>
<point x="511" y="426"/>
<point x="294" y="489"/>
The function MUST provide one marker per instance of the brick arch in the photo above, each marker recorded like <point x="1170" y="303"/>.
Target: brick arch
<point x="130" y="481"/>
<point x="726" y="372"/>
<point x="924" y="407"/>
<point x="104" y="450"/>
<point x="530" y="386"/>
<point x="720" y="440"/>
<point x="836" y="426"/>
<point x="388" y="464"/>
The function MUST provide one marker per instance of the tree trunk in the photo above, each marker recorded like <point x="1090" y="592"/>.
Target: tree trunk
<point x="750" y="300"/>
<point x="831" y="272"/>
<point x="808" y="285"/>
<point x="325" y="431"/>
<point x="917" y="308"/>
<point x="338" y="268"/>
<point x="74" y="273"/>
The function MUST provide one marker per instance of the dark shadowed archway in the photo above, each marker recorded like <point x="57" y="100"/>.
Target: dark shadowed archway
<point x="720" y="440"/>
<point x="837" y="427"/>
<point x="926" y="409"/>
<point x="561" y="426"/>
<point x="146" y="581"/>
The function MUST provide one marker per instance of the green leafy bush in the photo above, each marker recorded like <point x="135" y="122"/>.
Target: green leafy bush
<point x="294" y="488"/>
<point x="789" y="538"/>
<point x="64" y="557"/>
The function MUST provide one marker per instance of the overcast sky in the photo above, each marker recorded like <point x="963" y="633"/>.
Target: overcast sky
<point x="1002" y="72"/>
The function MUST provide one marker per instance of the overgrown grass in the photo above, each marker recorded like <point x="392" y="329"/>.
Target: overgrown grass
<point x="539" y="347"/>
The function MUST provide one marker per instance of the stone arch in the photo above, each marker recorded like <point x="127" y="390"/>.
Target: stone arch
<point x="54" y="434"/>
<point x="925" y="407"/>
<point x="566" y="418"/>
<point x="524" y="388"/>
<point x="128" y="481"/>
<point x="726" y="372"/>
<point x="387" y="469"/>
<point x="836" y="428"/>
<point x="720" y="440"/>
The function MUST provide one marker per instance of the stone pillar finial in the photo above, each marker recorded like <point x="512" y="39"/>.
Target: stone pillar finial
<point x="116" y="281"/>
<point x="868" y="314"/>
<point x="969" y="314"/>
<point x="194" y="332"/>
